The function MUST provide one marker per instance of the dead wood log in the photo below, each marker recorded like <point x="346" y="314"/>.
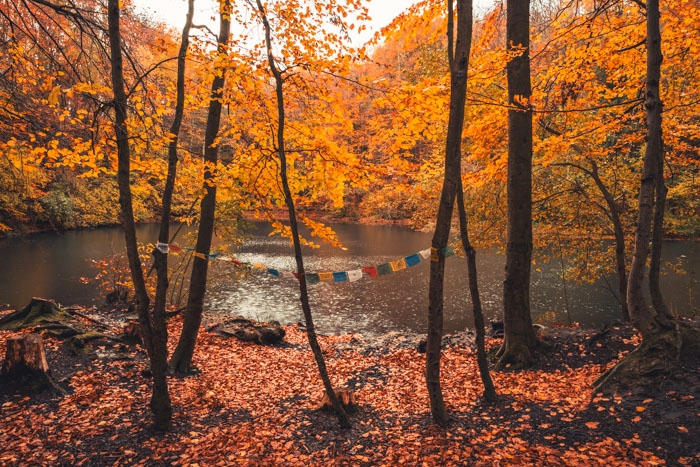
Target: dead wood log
<point x="247" y="330"/>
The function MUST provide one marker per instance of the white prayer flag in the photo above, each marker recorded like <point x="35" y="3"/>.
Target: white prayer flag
<point x="355" y="275"/>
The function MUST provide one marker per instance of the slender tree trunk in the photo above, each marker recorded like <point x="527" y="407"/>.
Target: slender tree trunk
<point x="459" y="64"/>
<point x="289" y="200"/>
<point x="181" y="359"/>
<point x="479" y="324"/>
<point x="620" y="255"/>
<point x="520" y="337"/>
<point x="161" y="258"/>
<point x="648" y="320"/>
<point x="160" y="400"/>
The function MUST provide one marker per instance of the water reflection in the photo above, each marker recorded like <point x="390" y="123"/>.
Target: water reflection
<point x="50" y="265"/>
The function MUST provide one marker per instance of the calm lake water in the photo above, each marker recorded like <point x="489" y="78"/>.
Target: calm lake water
<point x="51" y="264"/>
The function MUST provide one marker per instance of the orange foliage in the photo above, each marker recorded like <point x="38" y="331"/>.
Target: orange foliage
<point x="254" y="405"/>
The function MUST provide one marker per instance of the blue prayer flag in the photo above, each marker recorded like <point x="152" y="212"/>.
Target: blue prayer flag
<point x="340" y="276"/>
<point x="412" y="260"/>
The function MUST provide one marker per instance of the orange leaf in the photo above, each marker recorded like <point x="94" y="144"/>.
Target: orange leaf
<point x="592" y="425"/>
<point x="683" y="429"/>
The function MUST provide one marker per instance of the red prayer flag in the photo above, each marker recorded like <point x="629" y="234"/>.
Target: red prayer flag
<point x="371" y="270"/>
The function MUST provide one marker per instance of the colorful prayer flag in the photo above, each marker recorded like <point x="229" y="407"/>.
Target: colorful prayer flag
<point x="199" y="255"/>
<point x="173" y="247"/>
<point x="398" y="265"/>
<point x="355" y="275"/>
<point x="447" y="251"/>
<point x="384" y="269"/>
<point x="312" y="279"/>
<point x="371" y="271"/>
<point x="162" y="247"/>
<point x="274" y="272"/>
<point x="425" y="254"/>
<point x="434" y="258"/>
<point x="325" y="276"/>
<point x="340" y="276"/>
<point x="412" y="260"/>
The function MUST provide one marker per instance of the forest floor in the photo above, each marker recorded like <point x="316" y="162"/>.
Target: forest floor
<point x="256" y="405"/>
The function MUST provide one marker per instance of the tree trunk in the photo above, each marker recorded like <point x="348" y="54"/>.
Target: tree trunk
<point x="520" y="338"/>
<point x="459" y="64"/>
<point x="620" y="255"/>
<point x="160" y="400"/>
<point x="648" y="320"/>
<point x="305" y="306"/>
<point x="181" y="359"/>
<point x="479" y="324"/>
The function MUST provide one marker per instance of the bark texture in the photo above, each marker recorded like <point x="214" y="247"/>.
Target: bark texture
<point x="160" y="330"/>
<point x="160" y="400"/>
<point x="459" y="64"/>
<point x="181" y="359"/>
<point x="650" y="320"/>
<point x="520" y="338"/>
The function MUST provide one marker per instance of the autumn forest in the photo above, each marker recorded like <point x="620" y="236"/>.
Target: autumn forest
<point x="566" y="128"/>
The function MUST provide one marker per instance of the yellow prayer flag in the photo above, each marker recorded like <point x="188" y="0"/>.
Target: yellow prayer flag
<point x="398" y="265"/>
<point x="325" y="276"/>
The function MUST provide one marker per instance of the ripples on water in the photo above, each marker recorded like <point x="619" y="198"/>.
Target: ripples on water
<point x="50" y="265"/>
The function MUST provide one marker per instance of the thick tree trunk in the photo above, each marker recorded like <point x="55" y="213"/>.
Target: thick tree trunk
<point x="647" y="319"/>
<point x="459" y="64"/>
<point x="520" y="338"/>
<point x="332" y="395"/>
<point x="160" y="400"/>
<point x="669" y="348"/>
<point x="181" y="359"/>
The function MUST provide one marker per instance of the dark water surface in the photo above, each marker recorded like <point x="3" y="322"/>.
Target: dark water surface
<point x="50" y="265"/>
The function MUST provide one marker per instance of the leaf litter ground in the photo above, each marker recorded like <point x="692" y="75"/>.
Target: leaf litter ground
<point x="255" y="405"/>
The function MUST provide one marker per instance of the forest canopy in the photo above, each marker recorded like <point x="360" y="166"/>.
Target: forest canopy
<point x="366" y="131"/>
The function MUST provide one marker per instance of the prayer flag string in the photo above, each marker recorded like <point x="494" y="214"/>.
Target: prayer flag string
<point x="354" y="275"/>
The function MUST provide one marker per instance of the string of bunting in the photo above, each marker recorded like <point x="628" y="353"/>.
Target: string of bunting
<point x="433" y="254"/>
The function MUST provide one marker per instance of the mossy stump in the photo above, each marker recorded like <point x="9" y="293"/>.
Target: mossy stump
<point x="38" y="311"/>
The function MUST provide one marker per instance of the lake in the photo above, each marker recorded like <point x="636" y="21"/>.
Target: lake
<point x="50" y="265"/>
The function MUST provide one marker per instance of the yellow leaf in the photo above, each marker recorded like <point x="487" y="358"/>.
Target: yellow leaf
<point x="53" y="97"/>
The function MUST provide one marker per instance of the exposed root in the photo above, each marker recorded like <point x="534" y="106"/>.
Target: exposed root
<point x="658" y="357"/>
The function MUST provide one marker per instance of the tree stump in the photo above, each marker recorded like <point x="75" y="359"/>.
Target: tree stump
<point x="25" y="368"/>
<point x="25" y="353"/>
<point x="38" y="311"/>
<point x="346" y="397"/>
<point x="132" y="331"/>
